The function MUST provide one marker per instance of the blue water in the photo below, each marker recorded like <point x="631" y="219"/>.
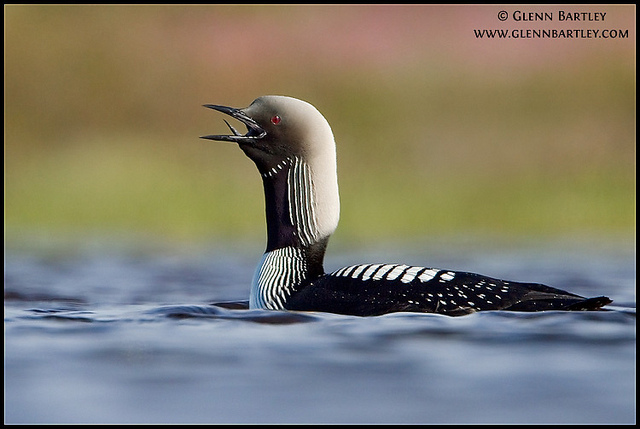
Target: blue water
<point x="106" y="333"/>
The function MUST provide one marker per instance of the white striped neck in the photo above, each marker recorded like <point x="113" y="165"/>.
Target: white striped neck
<point x="298" y="229"/>
<point x="302" y="207"/>
<point x="284" y="271"/>
<point x="276" y="278"/>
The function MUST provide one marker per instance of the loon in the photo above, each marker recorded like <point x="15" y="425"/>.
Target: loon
<point x="293" y="147"/>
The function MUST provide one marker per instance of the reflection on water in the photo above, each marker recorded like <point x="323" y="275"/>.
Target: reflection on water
<point x="117" y="335"/>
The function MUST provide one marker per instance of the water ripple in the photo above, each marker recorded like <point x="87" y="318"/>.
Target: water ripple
<point x="119" y="338"/>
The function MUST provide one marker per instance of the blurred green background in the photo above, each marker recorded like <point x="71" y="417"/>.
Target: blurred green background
<point x="438" y="132"/>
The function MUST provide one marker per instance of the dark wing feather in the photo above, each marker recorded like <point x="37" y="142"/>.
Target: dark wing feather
<point x="374" y="289"/>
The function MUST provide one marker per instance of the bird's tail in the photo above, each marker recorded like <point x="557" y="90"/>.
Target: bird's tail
<point x="589" y="304"/>
<point x="540" y="298"/>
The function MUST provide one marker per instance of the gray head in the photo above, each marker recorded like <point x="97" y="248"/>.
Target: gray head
<point x="282" y="131"/>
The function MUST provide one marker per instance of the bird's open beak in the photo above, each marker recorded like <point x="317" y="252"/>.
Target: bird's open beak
<point x="254" y="131"/>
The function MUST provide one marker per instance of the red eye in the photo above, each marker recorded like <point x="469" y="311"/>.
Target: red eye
<point x="276" y="120"/>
